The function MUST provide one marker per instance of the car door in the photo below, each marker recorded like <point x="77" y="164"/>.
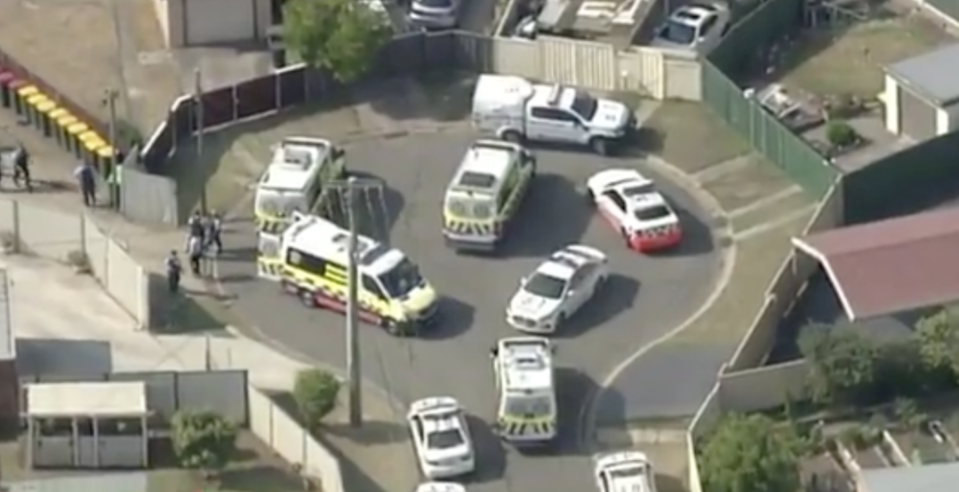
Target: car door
<point x="373" y="303"/>
<point x="550" y="124"/>
<point x="613" y="207"/>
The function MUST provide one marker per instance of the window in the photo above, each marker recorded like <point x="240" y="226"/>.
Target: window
<point x="444" y="439"/>
<point x="653" y="213"/>
<point x="545" y="286"/>
<point x="306" y="261"/>
<point x="370" y="285"/>
<point x="616" y="199"/>
<point x="584" y="105"/>
<point x="400" y="280"/>
<point x="638" y="190"/>
<point x="552" y="114"/>
<point x="434" y="4"/>
<point x="678" y="32"/>
<point x="532" y="406"/>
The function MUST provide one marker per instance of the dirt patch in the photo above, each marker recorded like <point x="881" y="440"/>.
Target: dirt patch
<point x="690" y="137"/>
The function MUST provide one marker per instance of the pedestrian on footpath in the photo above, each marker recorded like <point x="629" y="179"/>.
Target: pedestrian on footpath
<point x="87" y="178"/>
<point x="174" y="270"/>
<point x="213" y="228"/>
<point x="196" y="225"/>
<point x="194" y="248"/>
<point x="21" y="168"/>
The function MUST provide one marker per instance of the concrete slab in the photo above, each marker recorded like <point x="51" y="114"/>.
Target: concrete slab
<point x="743" y="181"/>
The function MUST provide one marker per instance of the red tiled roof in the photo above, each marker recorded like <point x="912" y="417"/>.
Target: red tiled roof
<point x="892" y="265"/>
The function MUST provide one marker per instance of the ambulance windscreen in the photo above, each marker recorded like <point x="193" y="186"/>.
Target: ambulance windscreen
<point x="400" y="280"/>
<point x="528" y="406"/>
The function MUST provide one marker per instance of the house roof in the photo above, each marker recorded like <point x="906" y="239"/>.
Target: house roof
<point x="892" y="265"/>
<point x="937" y="477"/>
<point x="94" y="399"/>
<point x="931" y="75"/>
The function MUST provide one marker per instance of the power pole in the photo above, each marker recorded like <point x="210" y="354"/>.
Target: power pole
<point x="353" y="187"/>
<point x="110" y="98"/>
<point x="198" y="81"/>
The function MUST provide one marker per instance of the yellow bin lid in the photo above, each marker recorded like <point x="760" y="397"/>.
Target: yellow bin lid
<point x="36" y="99"/>
<point x="57" y="113"/>
<point x="94" y="145"/>
<point x="46" y="106"/>
<point x="88" y="136"/>
<point x="28" y="90"/>
<point x="106" y="151"/>
<point x="77" y="128"/>
<point x="67" y="120"/>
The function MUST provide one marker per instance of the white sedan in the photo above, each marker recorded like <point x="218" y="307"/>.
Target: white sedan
<point x="696" y="27"/>
<point x="634" y="208"/>
<point x="557" y="289"/>
<point x="441" y="437"/>
<point x="625" y="471"/>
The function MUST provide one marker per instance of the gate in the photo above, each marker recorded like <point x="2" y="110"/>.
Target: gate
<point x="146" y="197"/>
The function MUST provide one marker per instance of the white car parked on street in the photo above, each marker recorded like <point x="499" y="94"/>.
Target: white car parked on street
<point x="625" y="471"/>
<point x="441" y="437"/>
<point x="557" y="289"/>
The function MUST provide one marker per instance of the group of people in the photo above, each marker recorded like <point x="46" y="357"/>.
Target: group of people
<point x="21" y="167"/>
<point x="203" y="237"/>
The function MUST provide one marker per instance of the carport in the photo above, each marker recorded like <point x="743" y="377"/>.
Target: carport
<point x="921" y="96"/>
<point x="890" y="266"/>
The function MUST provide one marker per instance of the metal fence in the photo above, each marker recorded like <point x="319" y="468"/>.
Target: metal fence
<point x="57" y="235"/>
<point x="224" y="391"/>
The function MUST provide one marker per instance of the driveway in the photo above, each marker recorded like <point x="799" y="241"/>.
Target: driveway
<point x="646" y="296"/>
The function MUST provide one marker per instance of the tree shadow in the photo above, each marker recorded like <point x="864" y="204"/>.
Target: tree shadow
<point x="554" y="213"/>
<point x="436" y="96"/>
<point x="177" y="313"/>
<point x="454" y="319"/>
<point x="380" y="207"/>
<point x="489" y="452"/>
<point x="616" y="296"/>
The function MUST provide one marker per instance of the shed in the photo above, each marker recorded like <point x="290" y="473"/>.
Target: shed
<point x="87" y="425"/>
<point x="921" y="95"/>
<point x="936" y="477"/>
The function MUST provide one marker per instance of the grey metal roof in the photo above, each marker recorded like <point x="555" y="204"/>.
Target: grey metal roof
<point x="939" y="477"/>
<point x="933" y="75"/>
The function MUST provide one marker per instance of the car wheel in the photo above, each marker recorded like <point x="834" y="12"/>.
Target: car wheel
<point x="600" y="146"/>
<point x="513" y="136"/>
<point x="307" y="298"/>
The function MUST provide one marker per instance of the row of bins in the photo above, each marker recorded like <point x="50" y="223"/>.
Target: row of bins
<point x="53" y="121"/>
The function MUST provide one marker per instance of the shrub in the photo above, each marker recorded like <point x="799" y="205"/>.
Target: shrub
<point x="203" y="440"/>
<point x="315" y="393"/>
<point x="841" y="134"/>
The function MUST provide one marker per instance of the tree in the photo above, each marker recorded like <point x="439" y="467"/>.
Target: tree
<point x="842" y="364"/>
<point x="203" y="440"/>
<point x="341" y="36"/>
<point x="939" y="339"/>
<point x="315" y="392"/>
<point x="750" y="453"/>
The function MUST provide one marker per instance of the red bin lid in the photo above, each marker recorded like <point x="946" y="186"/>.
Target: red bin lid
<point x="6" y="77"/>
<point x="17" y="83"/>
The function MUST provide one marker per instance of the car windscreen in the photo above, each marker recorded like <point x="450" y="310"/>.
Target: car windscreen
<point x="636" y="190"/>
<point x="679" y="33"/>
<point x="401" y="279"/>
<point x="652" y="213"/>
<point x="628" y="471"/>
<point x="584" y="105"/>
<point x="477" y="206"/>
<point x="545" y="286"/>
<point x="446" y="438"/>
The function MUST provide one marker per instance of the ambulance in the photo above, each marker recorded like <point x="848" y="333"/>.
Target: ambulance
<point x="523" y="370"/>
<point x="485" y="194"/>
<point x="311" y="260"/>
<point x="296" y="180"/>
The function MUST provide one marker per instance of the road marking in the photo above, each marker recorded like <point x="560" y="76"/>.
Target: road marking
<point x="729" y="166"/>
<point x="587" y="416"/>
<point x="769" y="200"/>
<point x="773" y="224"/>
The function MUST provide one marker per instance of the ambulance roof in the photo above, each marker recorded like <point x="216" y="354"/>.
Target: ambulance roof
<point x="527" y="363"/>
<point x="295" y="163"/>
<point x="493" y="91"/>
<point x="485" y="166"/>
<point x="320" y="237"/>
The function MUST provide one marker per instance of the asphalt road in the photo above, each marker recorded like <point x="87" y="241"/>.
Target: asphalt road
<point x="645" y="297"/>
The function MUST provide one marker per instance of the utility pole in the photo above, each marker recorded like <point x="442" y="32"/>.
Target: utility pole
<point x="353" y="187"/>
<point x="110" y="98"/>
<point x="198" y="81"/>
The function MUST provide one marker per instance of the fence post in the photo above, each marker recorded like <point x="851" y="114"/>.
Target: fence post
<point x="276" y="91"/>
<point x="304" y="78"/>
<point x="236" y="103"/>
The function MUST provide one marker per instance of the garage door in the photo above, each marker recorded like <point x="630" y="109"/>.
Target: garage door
<point x="219" y="21"/>
<point x="917" y="119"/>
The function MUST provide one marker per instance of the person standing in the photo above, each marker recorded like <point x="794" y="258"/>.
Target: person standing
<point x="87" y="178"/>
<point x="196" y="225"/>
<point x="214" y="226"/>
<point x="174" y="271"/>
<point x="194" y="248"/>
<point x="21" y="168"/>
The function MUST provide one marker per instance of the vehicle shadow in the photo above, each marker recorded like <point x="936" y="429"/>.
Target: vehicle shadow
<point x="573" y="388"/>
<point x="455" y="318"/>
<point x="616" y="296"/>
<point x="490" y="454"/>
<point x="379" y="207"/>
<point x="553" y="214"/>
<point x="698" y="237"/>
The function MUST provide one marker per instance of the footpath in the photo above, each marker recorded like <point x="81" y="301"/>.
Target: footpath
<point x="371" y="455"/>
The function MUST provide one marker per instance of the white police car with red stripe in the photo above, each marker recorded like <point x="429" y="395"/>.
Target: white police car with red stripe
<point x="632" y="205"/>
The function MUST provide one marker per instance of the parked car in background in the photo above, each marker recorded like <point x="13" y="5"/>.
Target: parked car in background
<point x="695" y="27"/>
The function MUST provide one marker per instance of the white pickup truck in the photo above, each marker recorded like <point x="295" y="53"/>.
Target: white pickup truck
<point x="518" y="110"/>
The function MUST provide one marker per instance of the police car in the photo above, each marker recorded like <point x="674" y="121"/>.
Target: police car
<point x="441" y="437"/>
<point x="634" y="207"/>
<point x="557" y="289"/>
<point x="626" y="471"/>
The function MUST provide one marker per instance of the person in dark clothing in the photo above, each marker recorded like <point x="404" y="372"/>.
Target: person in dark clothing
<point x="21" y="168"/>
<point x="87" y="178"/>
<point x="196" y="225"/>
<point x="173" y="272"/>
<point x="214" y="226"/>
<point x="194" y="248"/>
